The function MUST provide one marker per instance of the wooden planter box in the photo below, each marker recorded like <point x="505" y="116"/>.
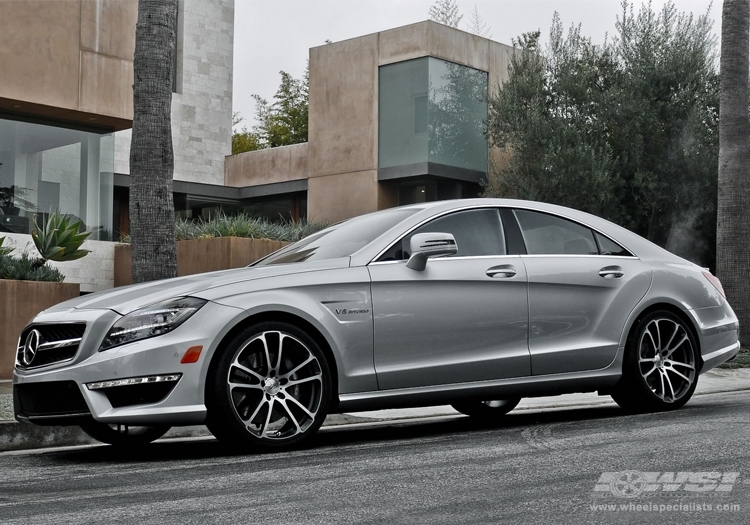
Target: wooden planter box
<point x="20" y="301"/>
<point x="203" y="255"/>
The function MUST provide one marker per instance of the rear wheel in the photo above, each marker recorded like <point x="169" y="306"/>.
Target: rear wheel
<point x="270" y="389"/>
<point x="124" y="435"/>
<point x="486" y="409"/>
<point x="660" y="371"/>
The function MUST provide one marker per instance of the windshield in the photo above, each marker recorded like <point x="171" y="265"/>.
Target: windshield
<point x="340" y="240"/>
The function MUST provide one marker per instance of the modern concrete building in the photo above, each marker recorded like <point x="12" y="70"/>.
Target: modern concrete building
<point x="395" y="117"/>
<point x="66" y="107"/>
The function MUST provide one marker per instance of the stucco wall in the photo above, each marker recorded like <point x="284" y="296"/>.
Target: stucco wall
<point x="342" y="152"/>
<point x="202" y="106"/>
<point x="69" y="60"/>
<point x="94" y="272"/>
<point x="267" y="166"/>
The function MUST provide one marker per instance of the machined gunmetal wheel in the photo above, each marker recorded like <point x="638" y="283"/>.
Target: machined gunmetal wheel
<point x="270" y="389"/>
<point x="486" y="409"/>
<point x="660" y="371"/>
<point x="124" y="435"/>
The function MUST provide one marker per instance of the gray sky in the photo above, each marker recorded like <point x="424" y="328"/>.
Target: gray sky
<point x="275" y="35"/>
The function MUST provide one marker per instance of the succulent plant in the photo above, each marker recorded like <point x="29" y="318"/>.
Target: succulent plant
<point x="6" y="250"/>
<point x="59" y="239"/>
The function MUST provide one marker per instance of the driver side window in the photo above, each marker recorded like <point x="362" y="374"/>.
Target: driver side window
<point x="477" y="232"/>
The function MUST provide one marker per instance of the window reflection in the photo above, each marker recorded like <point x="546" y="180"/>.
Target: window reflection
<point x="46" y="168"/>
<point x="433" y="111"/>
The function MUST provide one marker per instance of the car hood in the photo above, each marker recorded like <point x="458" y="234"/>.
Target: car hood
<point x="125" y="299"/>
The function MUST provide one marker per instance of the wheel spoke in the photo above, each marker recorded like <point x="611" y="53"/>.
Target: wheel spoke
<point x="676" y="329"/>
<point x="264" y="428"/>
<point x="307" y="361"/>
<point x="277" y="368"/>
<point x="318" y="377"/>
<point x="669" y="382"/>
<point x="304" y="409"/>
<point x="282" y="402"/>
<point x="650" y="371"/>
<point x="268" y="355"/>
<point x="686" y="378"/>
<point x="677" y="363"/>
<point x="257" y="409"/>
<point x="232" y="386"/>
<point x="663" y="394"/>
<point x="650" y="336"/>
<point x="671" y="350"/>
<point x="248" y="371"/>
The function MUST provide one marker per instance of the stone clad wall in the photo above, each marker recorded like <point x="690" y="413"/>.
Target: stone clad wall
<point x="202" y="105"/>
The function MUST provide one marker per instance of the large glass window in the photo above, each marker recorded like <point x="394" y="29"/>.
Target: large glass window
<point x="46" y="168"/>
<point x="431" y="110"/>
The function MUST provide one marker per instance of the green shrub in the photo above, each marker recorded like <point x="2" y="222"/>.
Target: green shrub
<point x="244" y="226"/>
<point x="25" y="268"/>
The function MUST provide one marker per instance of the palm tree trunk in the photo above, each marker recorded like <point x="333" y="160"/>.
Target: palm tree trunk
<point x="733" y="222"/>
<point x="152" y="228"/>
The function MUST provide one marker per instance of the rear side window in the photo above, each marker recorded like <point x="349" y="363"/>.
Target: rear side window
<point x="477" y="232"/>
<point x="547" y="234"/>
<point x="610" y="247"/>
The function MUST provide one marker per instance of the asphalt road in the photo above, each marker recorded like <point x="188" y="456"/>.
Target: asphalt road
<point x="543" y="467"/>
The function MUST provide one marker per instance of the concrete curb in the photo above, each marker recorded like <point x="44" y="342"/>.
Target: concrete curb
<point x="23" y="436"/>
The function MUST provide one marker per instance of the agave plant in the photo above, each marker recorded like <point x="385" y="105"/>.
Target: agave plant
<point x="58" y="239"/>
<point x="6" y="250"/>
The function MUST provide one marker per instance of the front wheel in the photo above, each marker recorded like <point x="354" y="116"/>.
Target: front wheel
<point x="660" y="371"/>
<point x="270" y="388"/>
<point x="124" y="435"/>
<point x="486" y="409"/>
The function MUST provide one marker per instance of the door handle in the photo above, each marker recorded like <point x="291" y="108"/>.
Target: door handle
<point x="504" y="270"/>
<point x="611" y="272"/>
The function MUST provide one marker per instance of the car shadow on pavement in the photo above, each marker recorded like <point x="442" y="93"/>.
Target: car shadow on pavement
<point x="395" y="431"/>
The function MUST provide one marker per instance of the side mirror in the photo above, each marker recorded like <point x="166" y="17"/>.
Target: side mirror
<point x="424" y="245"/>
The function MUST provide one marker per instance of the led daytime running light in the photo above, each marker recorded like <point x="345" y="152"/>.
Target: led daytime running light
<point x="171" y="378"/>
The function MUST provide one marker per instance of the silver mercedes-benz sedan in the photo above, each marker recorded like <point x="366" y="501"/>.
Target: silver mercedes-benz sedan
<point x="474" y="303"/>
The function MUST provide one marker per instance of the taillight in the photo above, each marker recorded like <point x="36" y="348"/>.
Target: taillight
<point x="716" y="282"/>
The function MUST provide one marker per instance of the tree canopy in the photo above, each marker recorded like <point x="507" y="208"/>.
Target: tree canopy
<point x="280" y="123"/>
<point x="626" y="130"/>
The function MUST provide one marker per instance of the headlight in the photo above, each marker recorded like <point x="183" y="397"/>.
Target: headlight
<point x="151" y="321"/>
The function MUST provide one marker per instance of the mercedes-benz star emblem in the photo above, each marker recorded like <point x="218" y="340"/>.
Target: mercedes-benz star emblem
<point x="31" y="346"/>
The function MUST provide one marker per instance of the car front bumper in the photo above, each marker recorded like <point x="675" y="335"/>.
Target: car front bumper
<point x="59" y="393"/>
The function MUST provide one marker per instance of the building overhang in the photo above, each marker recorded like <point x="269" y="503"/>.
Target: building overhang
<point x="425" y="170"/>
<point x="226" y="192"/>
<point x="43" y="114"/>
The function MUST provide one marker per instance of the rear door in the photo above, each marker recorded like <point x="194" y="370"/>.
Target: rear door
<point x="582" y="288"/>
<point x="463" y="319"/>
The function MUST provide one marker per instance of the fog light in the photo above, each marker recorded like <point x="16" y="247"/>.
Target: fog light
<point x="171" y="378"/>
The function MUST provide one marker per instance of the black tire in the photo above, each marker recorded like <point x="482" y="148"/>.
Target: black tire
<point x="124" y="435"/>
<point x="260" y="400"/>
<point x="486" y="409"/>
<point x="661" y="365"/>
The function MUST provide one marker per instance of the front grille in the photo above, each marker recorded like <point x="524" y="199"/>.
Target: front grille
<point x="57" y="343"/>
<point x="55" y="398"/>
